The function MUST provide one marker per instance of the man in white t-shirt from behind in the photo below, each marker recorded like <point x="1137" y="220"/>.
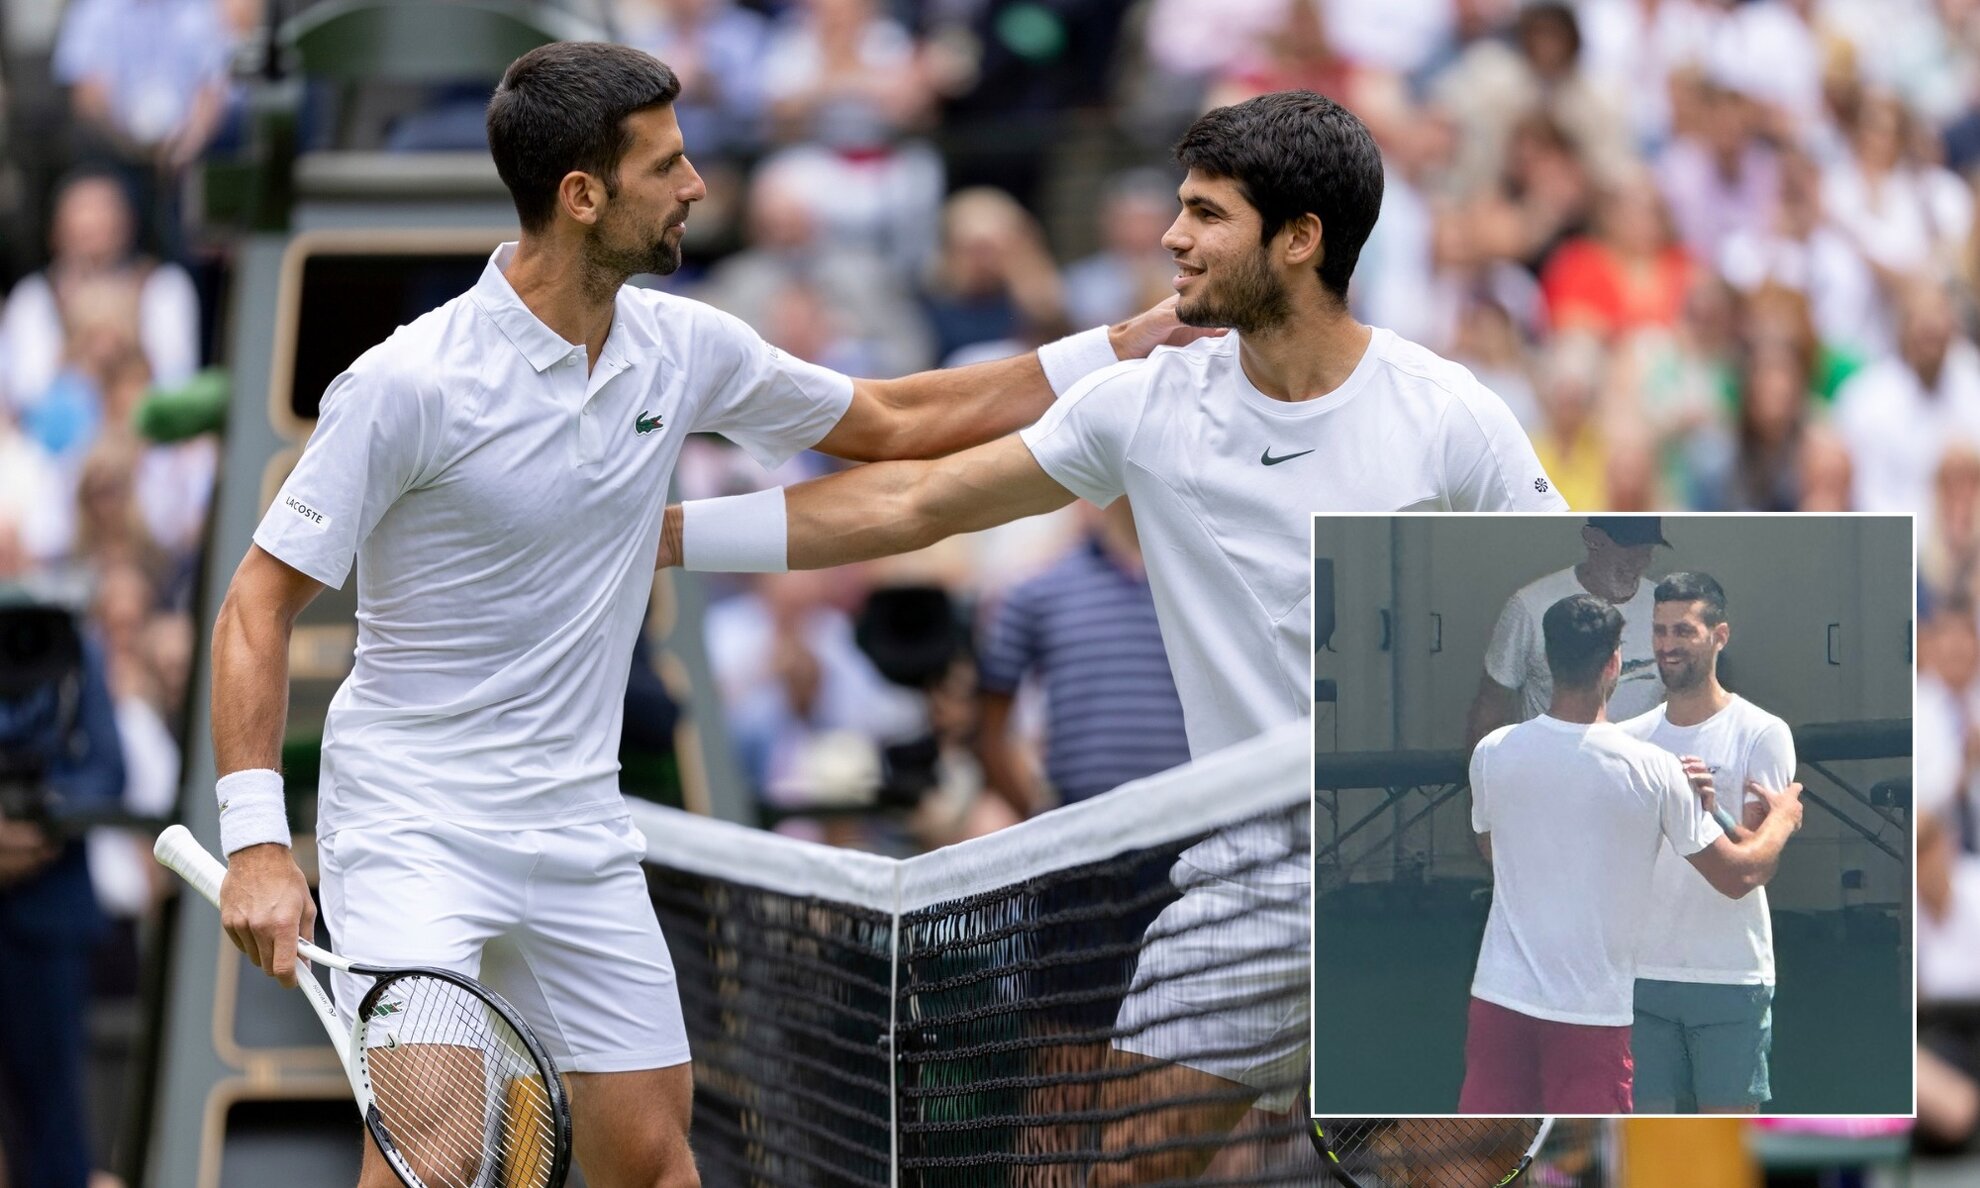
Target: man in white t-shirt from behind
<point x="1515" y="686"/>
<point x="1705" y="970"/>
<point x="1572" y="812"/>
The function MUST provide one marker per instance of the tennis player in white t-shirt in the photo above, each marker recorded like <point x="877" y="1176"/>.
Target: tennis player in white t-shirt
<point x="1705" y="969"/>
<point x="1515" y="685"/>
<point x="1226" y="447"/>
<point x="1573" y="812"/>
<point x="496" y="471"/>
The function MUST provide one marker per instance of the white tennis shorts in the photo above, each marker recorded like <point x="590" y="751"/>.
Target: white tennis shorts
<point x="556" y="921"/>
<point x="1222" y="986"/>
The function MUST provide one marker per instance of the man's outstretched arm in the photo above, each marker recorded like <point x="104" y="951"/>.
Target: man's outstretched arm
<point x="934" y="413"/>
<point x="877" y="510"/>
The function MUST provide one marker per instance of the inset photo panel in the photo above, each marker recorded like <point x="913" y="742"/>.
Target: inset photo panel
<point x="1612" y="815"/>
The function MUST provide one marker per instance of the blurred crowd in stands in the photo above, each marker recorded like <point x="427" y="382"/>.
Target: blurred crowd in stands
<point x="1715" y="254"/>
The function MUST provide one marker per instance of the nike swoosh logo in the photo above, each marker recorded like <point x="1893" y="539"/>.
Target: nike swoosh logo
<point x="1269" y="460"/>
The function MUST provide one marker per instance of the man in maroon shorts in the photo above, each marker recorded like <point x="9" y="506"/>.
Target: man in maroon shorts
<point x="1570" y="811"/>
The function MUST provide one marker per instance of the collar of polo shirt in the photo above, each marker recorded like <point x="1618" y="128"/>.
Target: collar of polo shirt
<point x="542" y="346"/>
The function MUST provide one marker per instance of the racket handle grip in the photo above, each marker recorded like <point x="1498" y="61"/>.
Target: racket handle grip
<point x="179" y="852"/>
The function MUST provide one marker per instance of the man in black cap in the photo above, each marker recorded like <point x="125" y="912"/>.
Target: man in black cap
<point x="1516" y="685"/>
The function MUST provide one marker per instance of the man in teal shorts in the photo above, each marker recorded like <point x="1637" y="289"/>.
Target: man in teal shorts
<point x="1705" y="974"/>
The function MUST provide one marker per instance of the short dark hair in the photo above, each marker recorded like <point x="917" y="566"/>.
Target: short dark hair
<point x="1582" y="632"/>
<point x="1689" y="586"/>
<point x="563" y="107"/>
<point x="1293" y="153"/>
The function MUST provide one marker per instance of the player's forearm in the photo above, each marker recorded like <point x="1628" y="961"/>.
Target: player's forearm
<point x="1758" y="854"/>
<point x="940" y="412"/>
<point x="884" y="509"/>
<point x="250" y="705"/>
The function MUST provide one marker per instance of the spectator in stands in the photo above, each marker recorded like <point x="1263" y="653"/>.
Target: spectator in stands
<point x="1905" y="216"/>
<point x="49" y="920"/>
<point x="92" y="239"/>
<point x="1761" y="471"/>
<point x="1897" y="414"/>
<point x="1677" y="384"/>
<point x="1948" y="871"/>
<point x="995" y="280"/>
<point x="1570" y="442"/>
<point x="148" y="89"/>
<point x="1722" y="179"/>
<point x="110" y="526"/>
<point x="1778" y="316"/>
<point x="1628" y="275"/>
<point x="785" y="245"/>
<point x="806" y="709"/>
<point x="845" y="89"/>
<point x="102" y="356"/>
<point x="1085" y="632"/>
<point x="714" y="47"/>
<point x="122" y="871"/>
<point x="1804" y="253"/>
<point x="1493" y="87"/>
<point x="1294" y="54"/>
<point x="1131" y="271"/>
<point x="34" y="498"/>
<point x="1949" y="542"/>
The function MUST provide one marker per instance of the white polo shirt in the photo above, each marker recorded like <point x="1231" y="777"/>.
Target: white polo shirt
<point x="1577" y="814"/>
<point x="1696" y="934"/>
<point x="1225" y="481"/>
<point x="1516" y="657"/>
<point x="503" y="506"/>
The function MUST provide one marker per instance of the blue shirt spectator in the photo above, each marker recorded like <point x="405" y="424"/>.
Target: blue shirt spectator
<point x="1086" y="629"/>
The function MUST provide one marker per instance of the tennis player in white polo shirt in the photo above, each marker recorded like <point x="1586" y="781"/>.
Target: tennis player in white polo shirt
<point x="1573" y="813"/>
<point x="497" y="470"/>
<point x="1705" y="970"/>
<point x="1226" y="448"/>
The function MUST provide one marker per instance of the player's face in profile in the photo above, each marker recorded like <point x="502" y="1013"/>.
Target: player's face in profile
<point x="1224" y="274"/>
<point x="1686" y="648"/>
<point x="639" y="228"/>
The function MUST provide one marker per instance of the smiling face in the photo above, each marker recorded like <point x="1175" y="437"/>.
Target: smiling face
<point x="1224" y="274"/>
<point x="638" y="228"/>
<point x="1687" y="649"/>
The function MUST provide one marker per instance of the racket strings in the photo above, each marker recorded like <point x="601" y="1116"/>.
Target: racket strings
<point x="1428" y="1152"/>
<point x="458" y="1092"/>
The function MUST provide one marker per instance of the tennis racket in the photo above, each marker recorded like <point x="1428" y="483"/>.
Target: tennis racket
<point x="452" y="1085"/>
<point x="1429" y="1152"/>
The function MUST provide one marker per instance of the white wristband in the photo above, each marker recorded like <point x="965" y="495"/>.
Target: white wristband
<point x="736" y="534"/>
<point x="1072" y="359"/>
<point x="251" y="809"/>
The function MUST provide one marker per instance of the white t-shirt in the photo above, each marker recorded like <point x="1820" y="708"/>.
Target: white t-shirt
<point x="1516" y="658"/>
<point x="1696" y="934"/>
<point x="1577" y="814"/>
<point x="1225" y="481"/>
<point x="503" y="509"/>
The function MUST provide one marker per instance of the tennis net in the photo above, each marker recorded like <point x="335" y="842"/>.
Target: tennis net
<point x="1116" y="989"/>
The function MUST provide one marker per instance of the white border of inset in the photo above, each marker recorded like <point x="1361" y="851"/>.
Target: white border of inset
<point x="1313" y="938"/>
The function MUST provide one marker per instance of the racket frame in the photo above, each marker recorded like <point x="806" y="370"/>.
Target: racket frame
<point x="180" y="852"/>
<point x="1343" y="1176"/>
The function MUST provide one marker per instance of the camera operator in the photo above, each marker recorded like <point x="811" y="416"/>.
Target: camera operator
<point x="59" y="759"/>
